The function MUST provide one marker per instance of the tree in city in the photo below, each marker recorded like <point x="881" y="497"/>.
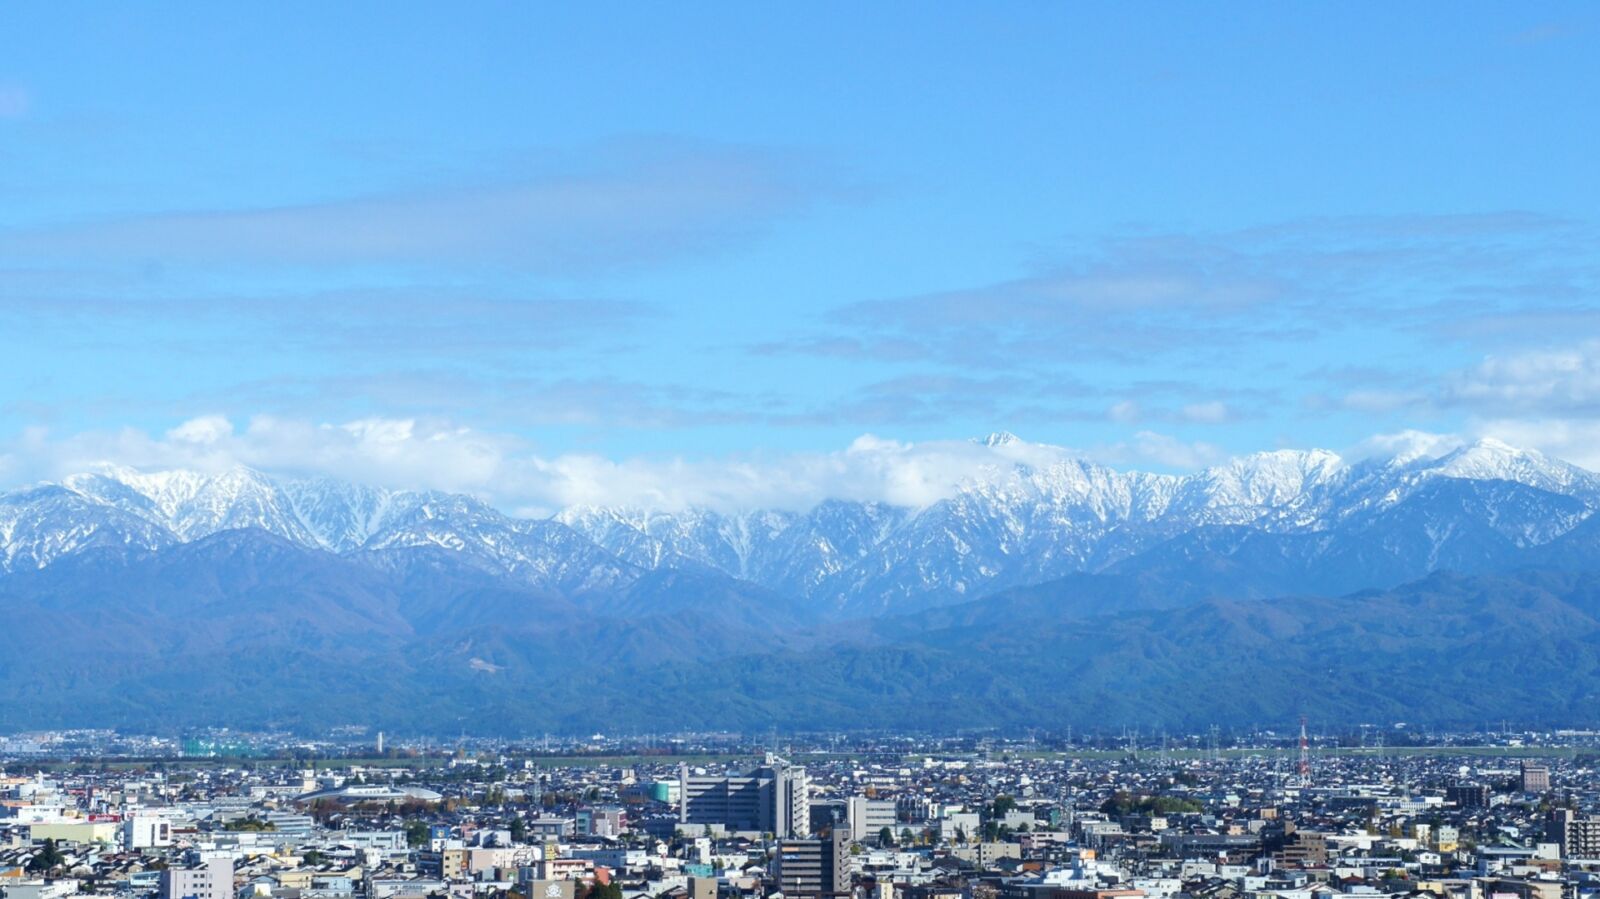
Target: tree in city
<point x="417" y="833"/>
<point x="886" y="836"/>
<point x="48" y="858"/>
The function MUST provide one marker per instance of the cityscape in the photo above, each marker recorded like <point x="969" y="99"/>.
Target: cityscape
<point x="852" y="449"/>
<point x="1261" y="815"/>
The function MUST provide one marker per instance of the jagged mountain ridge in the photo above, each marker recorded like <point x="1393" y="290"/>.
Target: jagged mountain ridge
<point x="1275" y="516"/>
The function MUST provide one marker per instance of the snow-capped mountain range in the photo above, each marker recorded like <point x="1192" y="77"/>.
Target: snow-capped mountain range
<point x="1269" y="521"/>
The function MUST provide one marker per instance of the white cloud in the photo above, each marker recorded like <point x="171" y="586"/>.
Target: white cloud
<point x="421" y="454"/>
<point x="1163" y="450"/>
<point x="1211" y="413"/>
<point x="1408" y="444"/>
<point x="206" y="430"/>
<point x="1125" y="412"/>
<point x="623" y="203"/>
<point x="508" y="472"/>
<point x="1382" y="401"/>
<point x="1551" y="380"/>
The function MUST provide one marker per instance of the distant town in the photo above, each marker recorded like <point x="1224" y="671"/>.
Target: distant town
<point x="1367" y="812"/>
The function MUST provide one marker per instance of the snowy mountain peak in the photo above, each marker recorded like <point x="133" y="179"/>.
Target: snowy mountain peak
<point x="195" y="504"/>
<point x="1001" y="438"/>
<point x="1489" y="459"/>
<point x="1018" y="517"/>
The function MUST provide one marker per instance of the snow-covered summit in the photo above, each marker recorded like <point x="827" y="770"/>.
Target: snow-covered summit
<point x="1024" y="513"/>
<point x="1001" y="438"/>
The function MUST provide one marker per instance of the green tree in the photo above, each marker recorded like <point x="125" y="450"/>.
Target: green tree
<point x="417" y="833"/>
<point x="886" y="836"/>
<point x="48" y="858"/>
<point x="249" y="824"/>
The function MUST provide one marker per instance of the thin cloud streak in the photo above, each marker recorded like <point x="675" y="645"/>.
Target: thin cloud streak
<point x="638" y="204"/>
<point x="1203" y="294"/>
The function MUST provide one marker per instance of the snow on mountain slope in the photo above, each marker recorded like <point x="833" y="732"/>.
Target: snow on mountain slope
<point x="1027" y="513"/>
<point x="194" y="505"/>
<point x="731" y="543"/>
<point x="1016" y="523"/>
<point x="544" y="554"/>
<point x="342" y="516"/>
<point x="39" y="525"/>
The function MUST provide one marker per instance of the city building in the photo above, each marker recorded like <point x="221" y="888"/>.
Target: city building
<point x="1467" y="796"/>
<point x="1578" y="837"/>
<point x="212" y="879"/>
<point x="868" y="817"/>
<point x="819" y="867"/>
<point x="1535" y="778"/>
<point x="772" y="799"/>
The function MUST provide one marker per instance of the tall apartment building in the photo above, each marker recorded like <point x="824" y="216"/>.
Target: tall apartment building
<point x="1578" y="837"/>
<point x="814" y="868"/>
<point x="1535" y="778"/>
<point x="1467" y="796"/>
<point x="774" y="798"/>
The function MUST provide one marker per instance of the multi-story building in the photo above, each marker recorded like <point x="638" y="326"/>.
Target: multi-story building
<point x="212" y="879"/>
<point x="773" y="799"/>
<point x="814" y="867"/>
<point x="1535" y="778"/>
<point x="146" y="831"/>
<point x="868" y="817"/>
<point x="1467" y="795"/>
<point x="1578" y="837"/>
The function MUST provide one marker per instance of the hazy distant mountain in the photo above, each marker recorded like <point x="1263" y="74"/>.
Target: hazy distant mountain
<point x="246" y="629"/>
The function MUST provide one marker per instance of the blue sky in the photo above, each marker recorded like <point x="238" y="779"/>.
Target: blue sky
<point x="1160" y="234"/>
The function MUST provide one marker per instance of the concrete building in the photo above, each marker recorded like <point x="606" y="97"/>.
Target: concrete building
<point x="1467" y="796"/>
<point x="1578" y="837"/>
<point x="600" y="822"/>
<point x="775" y="799"/>
<point x="1535" y="778"/>
<point x="960" y="827"/>
<point x="75" y="831"/>
<point x="868" y="817"/>
<point x="549" y="889"/>
<point x="212" y="879"/>
<point x="814" y="867"/>
<point x="146" y="832"/>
